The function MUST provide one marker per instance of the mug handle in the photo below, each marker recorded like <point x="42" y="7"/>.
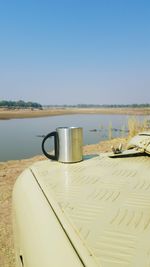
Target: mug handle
<point x="55" y="156"/>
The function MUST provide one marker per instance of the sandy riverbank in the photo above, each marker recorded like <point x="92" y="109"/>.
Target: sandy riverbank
<point x="28" y="113"/>
<point x="9" y="171"/>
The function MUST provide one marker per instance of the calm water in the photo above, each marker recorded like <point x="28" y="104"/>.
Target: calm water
<point x="18" y="137"/>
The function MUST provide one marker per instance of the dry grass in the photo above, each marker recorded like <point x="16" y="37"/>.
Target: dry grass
<point x="135" y="126"/>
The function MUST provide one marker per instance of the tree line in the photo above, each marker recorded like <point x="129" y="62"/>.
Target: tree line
<point x="23" y="104"/>
<point x="19" y="104"/>
<point x="145" y="105"/>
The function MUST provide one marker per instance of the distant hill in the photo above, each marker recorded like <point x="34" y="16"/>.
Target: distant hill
<point x="19" y="104"/>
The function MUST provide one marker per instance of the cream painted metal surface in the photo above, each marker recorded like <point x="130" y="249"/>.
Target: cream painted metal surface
<point x="40" y="241"/>
<point x="92" y="213"/>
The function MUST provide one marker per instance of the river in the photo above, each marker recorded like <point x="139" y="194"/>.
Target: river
<point x="20" y="138"/>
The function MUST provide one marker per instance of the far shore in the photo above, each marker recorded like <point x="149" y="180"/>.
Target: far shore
<point x="6" y="114"/>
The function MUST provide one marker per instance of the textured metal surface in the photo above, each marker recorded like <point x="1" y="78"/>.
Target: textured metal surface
<point x="106" y="202"/>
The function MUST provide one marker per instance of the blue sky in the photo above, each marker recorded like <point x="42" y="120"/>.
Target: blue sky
<point x="71" y="51"/>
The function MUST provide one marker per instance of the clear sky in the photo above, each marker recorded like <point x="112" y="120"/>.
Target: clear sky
<point x="75" y="51"/>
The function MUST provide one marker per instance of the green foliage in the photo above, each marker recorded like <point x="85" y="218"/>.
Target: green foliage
<point x="19" y="104"/>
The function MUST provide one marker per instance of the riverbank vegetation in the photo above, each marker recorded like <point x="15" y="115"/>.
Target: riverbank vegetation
<point x="134" y="126"/>
<point x="19" y="104"/>
<point x="29" y="104"/>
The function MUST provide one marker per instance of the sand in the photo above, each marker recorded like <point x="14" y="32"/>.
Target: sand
<point x="6" y="114"/>
<point x="9" y="171"/>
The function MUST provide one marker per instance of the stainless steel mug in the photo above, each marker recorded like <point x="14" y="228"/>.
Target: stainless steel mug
<point x="68" y="142"/>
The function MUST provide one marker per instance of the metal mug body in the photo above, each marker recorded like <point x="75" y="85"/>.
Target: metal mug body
<point x="70" y="142"/>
